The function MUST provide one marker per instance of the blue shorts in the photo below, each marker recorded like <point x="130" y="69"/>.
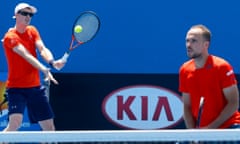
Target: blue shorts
<point x="35" y="99"/>
<point x="234" y="126"/>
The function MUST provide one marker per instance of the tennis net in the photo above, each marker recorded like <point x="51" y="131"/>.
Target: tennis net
<point x="226" y="136"/>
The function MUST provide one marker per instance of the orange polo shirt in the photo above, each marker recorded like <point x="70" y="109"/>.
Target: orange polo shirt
<point x="21" y="74"/>
<point x="209" y="82"/>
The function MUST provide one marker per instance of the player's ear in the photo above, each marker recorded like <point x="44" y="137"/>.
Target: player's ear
<point x="206" y="44"/>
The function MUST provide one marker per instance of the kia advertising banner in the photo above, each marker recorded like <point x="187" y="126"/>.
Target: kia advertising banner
<point x="111" y="102"/>
<point x="142" y="107"/>
<point x="117" y="101"/>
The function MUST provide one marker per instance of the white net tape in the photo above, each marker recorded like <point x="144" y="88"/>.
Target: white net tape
<point x="122" y="136"/>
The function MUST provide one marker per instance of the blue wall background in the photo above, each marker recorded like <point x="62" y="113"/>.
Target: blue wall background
<point x="136" y="36"/>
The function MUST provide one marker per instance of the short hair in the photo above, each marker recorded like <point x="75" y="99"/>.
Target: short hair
<point x="206" y="32"/>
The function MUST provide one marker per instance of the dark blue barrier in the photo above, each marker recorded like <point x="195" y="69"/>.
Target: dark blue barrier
<point x="113" y="102"/>
<point x="116" y="101"/>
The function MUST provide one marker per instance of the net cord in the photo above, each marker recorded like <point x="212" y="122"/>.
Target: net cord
<point x="121" y="136"/>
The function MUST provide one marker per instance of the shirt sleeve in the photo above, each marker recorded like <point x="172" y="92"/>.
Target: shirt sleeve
<point x="182" y="80"/>
<point x="35" y="33"/>
<point x="10" y="41"/>
<point x="227" y="75"/>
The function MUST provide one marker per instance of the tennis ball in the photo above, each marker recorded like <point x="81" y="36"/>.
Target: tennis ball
<point x="78" y="29"/>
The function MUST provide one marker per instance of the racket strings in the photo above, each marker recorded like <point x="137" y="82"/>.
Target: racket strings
<point x="90" y="25"/>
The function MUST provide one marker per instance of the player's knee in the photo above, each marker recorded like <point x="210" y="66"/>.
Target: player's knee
<point x="13" y="125"/>
<point x="47" y="125"/>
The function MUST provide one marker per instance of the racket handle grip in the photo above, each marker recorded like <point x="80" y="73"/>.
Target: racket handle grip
<point x="65" y="57"/>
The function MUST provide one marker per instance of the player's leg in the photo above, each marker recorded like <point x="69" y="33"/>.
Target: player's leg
<point x="39" y="109"/>
<point x="16" y="106"/>
<point x="47" y="125"/>
<point x="15" y="121"/>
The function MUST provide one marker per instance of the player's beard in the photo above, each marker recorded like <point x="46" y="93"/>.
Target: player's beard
<point x="193" y="55"/>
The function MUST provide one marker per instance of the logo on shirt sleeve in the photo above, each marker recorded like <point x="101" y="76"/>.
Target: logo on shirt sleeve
<point x="229" y="73"/>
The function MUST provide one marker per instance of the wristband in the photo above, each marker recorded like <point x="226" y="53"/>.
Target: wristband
<point x="51" y="63"/>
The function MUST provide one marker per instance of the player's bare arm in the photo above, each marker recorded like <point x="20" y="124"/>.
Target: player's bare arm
<point x="32" y="60"/>
<point x="189" y="121"/>
<point x="232" y="96"/>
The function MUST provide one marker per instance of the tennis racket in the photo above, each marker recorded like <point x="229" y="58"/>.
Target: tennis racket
<point x="46" y="84"/>
<point x="201" y="103"/>
<point x="5" y="99"/>
<point x="84" y="29"/>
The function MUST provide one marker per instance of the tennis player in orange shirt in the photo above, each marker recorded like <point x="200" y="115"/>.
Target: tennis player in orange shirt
<point x="211" y="77"/>
<point x="24" y="89"/>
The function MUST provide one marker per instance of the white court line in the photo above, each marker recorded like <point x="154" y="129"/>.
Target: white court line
<point x="121" y="136"/>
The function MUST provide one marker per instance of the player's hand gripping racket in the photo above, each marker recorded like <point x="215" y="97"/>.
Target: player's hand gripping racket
<point x="84" y="29"/>
<point x="201" y="103"/>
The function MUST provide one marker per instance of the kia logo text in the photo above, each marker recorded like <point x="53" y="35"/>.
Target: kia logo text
<point x="143" y="107"/>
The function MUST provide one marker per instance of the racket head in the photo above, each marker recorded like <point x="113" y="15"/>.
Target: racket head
<point x="90" y="23"/>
